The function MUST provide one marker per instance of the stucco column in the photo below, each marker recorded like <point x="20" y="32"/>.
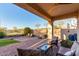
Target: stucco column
<point x="78" y="20"/>
<point x="78" y="26"/>
<point x="50" y="31"/>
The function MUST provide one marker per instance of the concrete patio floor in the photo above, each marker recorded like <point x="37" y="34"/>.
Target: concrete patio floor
<point x="11" y="50"/>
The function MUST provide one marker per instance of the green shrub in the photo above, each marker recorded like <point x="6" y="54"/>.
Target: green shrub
<point x="2" y="34"/>
<point x="66" y="43"/>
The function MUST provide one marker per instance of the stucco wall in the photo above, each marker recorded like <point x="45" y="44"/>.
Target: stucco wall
<point x="70" y="31"/>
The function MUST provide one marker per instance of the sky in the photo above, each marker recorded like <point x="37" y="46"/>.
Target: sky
<point x="14" y="16"/>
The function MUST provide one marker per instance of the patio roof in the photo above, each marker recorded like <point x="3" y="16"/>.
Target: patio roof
<point x="50" y="10"/>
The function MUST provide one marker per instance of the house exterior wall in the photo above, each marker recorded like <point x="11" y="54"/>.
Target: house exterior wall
<point x="70" y="31"/>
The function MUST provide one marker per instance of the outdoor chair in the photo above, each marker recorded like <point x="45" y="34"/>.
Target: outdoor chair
<point x="52" y="51"/>
<point x="74" y="51"/>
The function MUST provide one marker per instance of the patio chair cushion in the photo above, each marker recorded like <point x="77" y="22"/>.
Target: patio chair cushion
<point x="75" y="45"/>
<point x="73" y="37"/>
<point x="77" y="49"/>
<point x="70" y="53"/>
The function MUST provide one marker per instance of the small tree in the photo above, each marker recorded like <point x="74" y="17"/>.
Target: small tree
<point x="27" y="31"/>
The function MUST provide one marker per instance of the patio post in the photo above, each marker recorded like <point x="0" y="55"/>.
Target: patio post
<point x="77" y="25"/>
<point x="78" y="20"/>
<point x="50" y="31"/>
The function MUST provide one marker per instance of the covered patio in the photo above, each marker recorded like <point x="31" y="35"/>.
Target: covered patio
<point x="52" y="12"/>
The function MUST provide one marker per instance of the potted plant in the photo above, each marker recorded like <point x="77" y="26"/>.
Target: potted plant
<point x="65" y="46"/>
<point x="66" y="43"/>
